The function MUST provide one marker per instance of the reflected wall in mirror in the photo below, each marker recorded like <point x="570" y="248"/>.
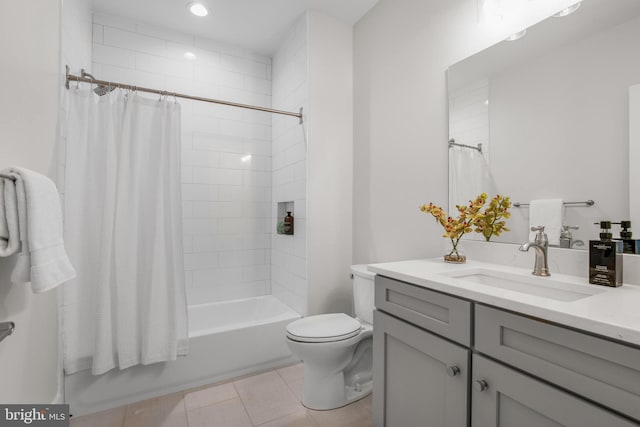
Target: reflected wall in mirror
<point x="550" y="112"/>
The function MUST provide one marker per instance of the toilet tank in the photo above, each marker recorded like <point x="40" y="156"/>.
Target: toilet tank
<point x="363" y="292"/>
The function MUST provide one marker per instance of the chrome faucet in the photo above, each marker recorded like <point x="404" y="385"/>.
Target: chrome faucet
<point x="540" y="245"/>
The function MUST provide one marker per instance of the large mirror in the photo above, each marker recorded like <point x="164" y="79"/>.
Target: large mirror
<point x="547" y="116"/>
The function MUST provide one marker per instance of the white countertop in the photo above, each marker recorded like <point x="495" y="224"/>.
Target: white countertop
<point x="612" y="312"/>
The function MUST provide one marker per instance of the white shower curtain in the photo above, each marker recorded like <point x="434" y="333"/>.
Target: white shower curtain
<point x="469" y="176"/>
<point x="123" y="232"/>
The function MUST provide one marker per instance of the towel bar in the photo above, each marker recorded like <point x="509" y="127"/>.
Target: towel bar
<point x="586" y="203"/>
<point x="6" y="329"/>
<point x="5" y="176"/>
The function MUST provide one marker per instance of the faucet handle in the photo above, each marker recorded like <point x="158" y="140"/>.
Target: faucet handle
<point x="541" y="236"/>
<point x="570" y="227"/>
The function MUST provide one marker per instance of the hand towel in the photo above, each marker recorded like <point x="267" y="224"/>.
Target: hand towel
<point x="42" y="261"/>
<point x="9" y="232"/>
<point x="550" y="213"/>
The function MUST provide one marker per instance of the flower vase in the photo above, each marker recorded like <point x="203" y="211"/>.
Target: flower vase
<point x="454" y="254"/>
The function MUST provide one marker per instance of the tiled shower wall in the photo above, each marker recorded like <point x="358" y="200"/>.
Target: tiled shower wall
<point x="226" y="151"/>
<point x="290" y="92"/>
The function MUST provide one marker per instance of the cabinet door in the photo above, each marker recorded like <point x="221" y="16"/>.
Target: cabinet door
<point x="504" y="397"/>
<point x="419" y="379"/>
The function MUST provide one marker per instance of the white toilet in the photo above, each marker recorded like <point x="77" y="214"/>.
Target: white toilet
<point x="336" y="349"/>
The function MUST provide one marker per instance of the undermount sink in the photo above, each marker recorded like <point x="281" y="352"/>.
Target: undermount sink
<point x="544" y="287"/>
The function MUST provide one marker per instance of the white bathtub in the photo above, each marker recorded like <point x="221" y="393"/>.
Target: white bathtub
<point x="226" y="340"/>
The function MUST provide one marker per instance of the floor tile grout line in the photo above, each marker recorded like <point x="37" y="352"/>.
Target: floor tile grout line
<point x="242" y="403"/>
<point x="289" y="387"/>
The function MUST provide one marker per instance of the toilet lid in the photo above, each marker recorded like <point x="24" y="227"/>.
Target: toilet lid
<point x="324" y="328"/>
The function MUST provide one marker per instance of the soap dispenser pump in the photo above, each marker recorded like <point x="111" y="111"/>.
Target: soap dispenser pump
<point x="629" y="245"/>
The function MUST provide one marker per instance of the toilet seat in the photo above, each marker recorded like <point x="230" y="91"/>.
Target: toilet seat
<point x="324" y="328"/>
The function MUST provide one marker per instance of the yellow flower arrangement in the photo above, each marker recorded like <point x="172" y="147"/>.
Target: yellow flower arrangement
<point x="489" y="222"/>
<point x="492" y="222"/>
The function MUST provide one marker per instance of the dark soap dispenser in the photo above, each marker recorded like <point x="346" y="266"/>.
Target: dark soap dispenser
<point x="605" y="258"/>
<point x="288" y="224"/>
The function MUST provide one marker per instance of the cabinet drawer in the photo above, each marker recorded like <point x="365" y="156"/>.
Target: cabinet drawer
<point x="445" y="315"/>
<point x="504" y="397"/>
<point x="601" y="370"/>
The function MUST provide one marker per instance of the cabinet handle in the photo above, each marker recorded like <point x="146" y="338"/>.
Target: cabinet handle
<point x="453" y="370"/>
<point x="480" y="385"/>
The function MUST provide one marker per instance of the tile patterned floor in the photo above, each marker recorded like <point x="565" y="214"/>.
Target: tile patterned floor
<point x="271" y="399"/>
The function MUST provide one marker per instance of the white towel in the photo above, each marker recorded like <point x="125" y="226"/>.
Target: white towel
<point x="42" y="261"/>
<point x="9" y="231"/>
<point x="550" y="213"/>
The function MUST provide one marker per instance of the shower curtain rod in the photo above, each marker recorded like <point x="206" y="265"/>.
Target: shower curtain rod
<point x="107" y="84"/>
<point x="452" y="142"/>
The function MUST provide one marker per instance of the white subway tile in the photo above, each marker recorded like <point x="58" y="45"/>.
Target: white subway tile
<point x="134" y="41"/>
<point x="218" y="111"/>
<point x="200" y="261"/>
<point x="232" y="225"/>
<point x="300" y="171"/>
<point x="255" y="84"/>
<point x="98" y="34"/>
<point x="299" y="244"/>
<point x="217" y="176"/>
<point x="217" y="142"/>
<point x="200" y="124"/>
<point x="231" y="259"/>
<point x="231" y="193"/>
<point x="256" y="272"/>
<point x="133" y="77"/>
<point x="256" y="147"/>
<point x="198" y="226"/>
<point x="257" y="178"/>
<point x="217" y="47"/>
<point x="299" y="266"/>
<point x="283" y="176"/>
<point x="204" y="158"/>
<point x="257" y="241"/>
<point x="187" y="175"/>
<point x="257" y="209"/>
<point x="114" y="21"/>
<point x="187" y="244"/>
<point x="160" y="65"/>
<point x="114" y="56"/>
<point x="218" y="242"/>
<point x="243" y="290"/>
<point x="187" y="209"/>
<point x="216" y="76"/>
<point x="244" y="97"/>
<point x="199" y="192"/>
<point x="166" y="34"/>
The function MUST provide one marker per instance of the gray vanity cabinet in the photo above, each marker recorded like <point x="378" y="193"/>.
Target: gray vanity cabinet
<point x="443" y="361"/>
<point x="422" y="380"/>
<point x="503" y="397"/>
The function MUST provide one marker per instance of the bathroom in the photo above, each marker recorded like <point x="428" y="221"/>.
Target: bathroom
<point x="371" y="79"/>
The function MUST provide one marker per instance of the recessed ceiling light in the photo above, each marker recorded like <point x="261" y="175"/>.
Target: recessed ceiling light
<point x="190" y="55"/>
<point x="516" y="36"/>
<point x="567" y="11"/>
<point x="197" y="9"/>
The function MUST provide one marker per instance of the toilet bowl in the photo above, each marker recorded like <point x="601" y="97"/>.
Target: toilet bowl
<point x="336" y="349"/>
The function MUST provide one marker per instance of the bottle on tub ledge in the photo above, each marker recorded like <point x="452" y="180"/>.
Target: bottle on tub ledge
<point x="288" y="224"/>
<point x="605" y="258"/>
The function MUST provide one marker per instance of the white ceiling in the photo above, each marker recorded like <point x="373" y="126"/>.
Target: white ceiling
<point x="258" y="25"/>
